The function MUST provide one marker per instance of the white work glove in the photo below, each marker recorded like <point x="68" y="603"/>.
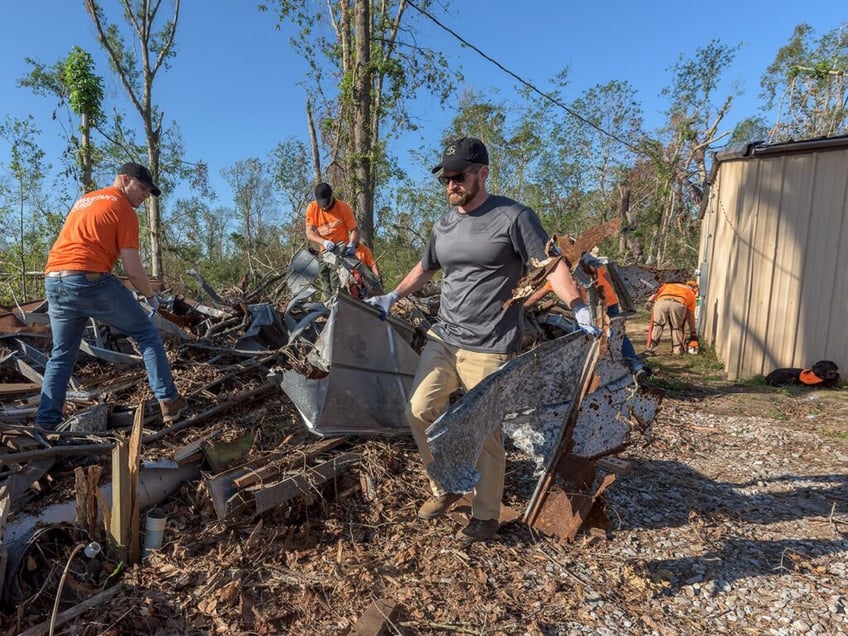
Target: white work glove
<point x="383" y="303"/>
<point x="153" y="303"/>
<point x="583" y="317"/>
<point x="329" y="245"/>
<point x="351" y="249"/>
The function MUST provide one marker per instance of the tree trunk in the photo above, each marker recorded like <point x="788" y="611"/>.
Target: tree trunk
<point x="362" y="151"/>
<point x="313" y="142"/>
<point x="155" y="221"/>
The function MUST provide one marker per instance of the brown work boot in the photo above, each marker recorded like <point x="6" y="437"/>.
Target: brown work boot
<point x="437" y="506"/>
<point x="478" y="530"/>
<point x="172" y="409"/>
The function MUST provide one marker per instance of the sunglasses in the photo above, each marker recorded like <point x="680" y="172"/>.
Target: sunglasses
<point x="456" y="178"/>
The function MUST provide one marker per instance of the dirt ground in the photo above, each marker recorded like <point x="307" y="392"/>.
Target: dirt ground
<point x="733" y="519"/>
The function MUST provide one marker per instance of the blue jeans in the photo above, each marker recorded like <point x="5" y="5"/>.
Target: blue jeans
<point x="627" y="351"/>
<point x="72" y="300"/>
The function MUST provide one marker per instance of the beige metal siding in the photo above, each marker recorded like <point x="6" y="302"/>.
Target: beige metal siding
<point x="777" y="257"/>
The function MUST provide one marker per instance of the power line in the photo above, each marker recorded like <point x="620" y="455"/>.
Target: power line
<point x="532" y="87"/>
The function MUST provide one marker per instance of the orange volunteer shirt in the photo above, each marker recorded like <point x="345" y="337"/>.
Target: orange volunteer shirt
<point x="680" y="292"/>
<point x="98" y="227"/>
<point x="334" y="225"/>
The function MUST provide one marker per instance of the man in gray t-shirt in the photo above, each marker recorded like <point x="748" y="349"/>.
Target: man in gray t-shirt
<point x="483" y="246"/>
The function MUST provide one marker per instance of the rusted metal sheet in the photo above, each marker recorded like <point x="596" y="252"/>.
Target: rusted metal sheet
<point x="562" y="511"/>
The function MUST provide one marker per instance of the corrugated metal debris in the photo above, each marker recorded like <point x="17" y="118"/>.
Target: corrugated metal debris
<point x="346" y="372"/>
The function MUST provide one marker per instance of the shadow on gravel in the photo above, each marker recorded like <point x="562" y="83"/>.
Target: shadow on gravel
<point x="741" y="558"/>
<point x="719" y="515"/>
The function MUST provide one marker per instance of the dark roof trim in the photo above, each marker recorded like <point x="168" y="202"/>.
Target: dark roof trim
<point x="761" y="149"/>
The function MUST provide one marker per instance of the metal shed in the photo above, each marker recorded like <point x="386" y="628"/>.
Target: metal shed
<point x="774" y="271"/>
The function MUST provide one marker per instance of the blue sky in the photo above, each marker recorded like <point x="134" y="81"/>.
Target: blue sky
<point x="235" y="87"/>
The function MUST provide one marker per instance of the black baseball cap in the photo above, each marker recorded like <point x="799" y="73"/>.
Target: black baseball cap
<point x="324" y="195"/>
<point x="463" y="153"/>
<point x="137" y="171"/>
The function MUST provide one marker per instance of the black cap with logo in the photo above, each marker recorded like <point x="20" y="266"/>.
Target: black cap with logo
<point x="463" y="153"/>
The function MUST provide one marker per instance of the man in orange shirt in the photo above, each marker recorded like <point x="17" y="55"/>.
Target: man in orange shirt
<point x="330" y="222"/>
<point x="101" y="227"/>
<point x="673" y="305"/>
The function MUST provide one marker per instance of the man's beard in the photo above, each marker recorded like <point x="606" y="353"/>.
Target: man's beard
<point x="469" y="191"/>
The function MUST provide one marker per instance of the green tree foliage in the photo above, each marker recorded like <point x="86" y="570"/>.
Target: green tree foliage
<point x="365" y="67"/>
<point x="23" y="219"/>
<point x="74" y="82"/>
<point x="292" y="180"/>
<point x="697" y="109"/>
<point x="750" y="129"/>
<point x="806" y="86"/>
<point x="256" y="236"/>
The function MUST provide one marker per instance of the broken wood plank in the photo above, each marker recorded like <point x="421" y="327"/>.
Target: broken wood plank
<point x="275" y="468"/>
<point x="13" y="388"/>
<point x="308" y="481"/>
<point x="68" y="614"/>
<point x="121" y="501"/>
<point x="377" y="619"/>
<point x="133" y="463"/>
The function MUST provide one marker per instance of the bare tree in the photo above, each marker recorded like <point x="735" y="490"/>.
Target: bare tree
<point x="136" y="66"/>
<point x="365" y="65"/>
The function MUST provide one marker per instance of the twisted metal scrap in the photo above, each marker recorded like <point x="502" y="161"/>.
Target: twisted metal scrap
<point x="533" y="382"/>
<point x="531" y="397"/>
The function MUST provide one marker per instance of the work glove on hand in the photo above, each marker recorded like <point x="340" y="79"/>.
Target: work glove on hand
<point x="583" y="317"/>
<point x="329" y="245"/>
<point x="383" y="303"/>
<point x="153" y="303"/>
<point x="350" y="250"/>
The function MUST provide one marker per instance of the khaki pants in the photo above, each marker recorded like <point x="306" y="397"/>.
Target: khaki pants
<point x="441" y="371"/>
<point x="669" y="313"/>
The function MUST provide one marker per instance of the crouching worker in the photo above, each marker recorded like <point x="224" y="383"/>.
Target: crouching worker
<point x="483" y="246"/>
<point x="672" y="306"/>
<point x="101" y="227"/>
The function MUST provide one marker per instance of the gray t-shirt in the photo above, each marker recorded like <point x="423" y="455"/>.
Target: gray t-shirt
<point x="483" y="255"/>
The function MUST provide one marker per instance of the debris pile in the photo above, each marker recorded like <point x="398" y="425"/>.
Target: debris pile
<point x="283" y="398"/>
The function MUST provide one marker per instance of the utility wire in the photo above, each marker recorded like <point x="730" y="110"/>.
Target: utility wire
<point x="550" y="98"/>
